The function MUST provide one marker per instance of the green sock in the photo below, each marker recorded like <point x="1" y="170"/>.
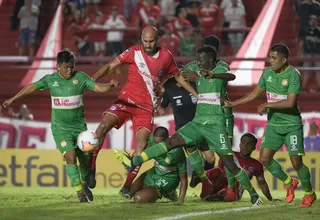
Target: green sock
<point x="196" y="163"/>
<point x="304" y="175"/>
<point x="275" y="169"/>
<point x="84" y="161"/>
<point x="150" y="153"/>
<point x="231" y="179"/>
<point x="243" y="179"/>
<point x="74" y="175"/>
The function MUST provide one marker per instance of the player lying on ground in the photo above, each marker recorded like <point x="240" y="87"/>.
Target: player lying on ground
<point x="281" y="82"/>
<point x="149" y="65"/>
<point x="208" y="124"/>
<point x="163" y="179"/>
<point x="67" y="119"/>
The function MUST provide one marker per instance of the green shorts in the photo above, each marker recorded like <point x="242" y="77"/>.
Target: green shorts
<point x="215" y="135"/>
<point x="65" y="141"/>
<point x="293" y="140"/>
<point x="162" y="184"/>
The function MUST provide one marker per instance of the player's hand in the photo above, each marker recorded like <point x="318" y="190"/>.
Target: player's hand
<point x="262" y="109"/>
<point x="114" y="83"/>
<point x="190" y="76"/>
<point x="161" y="111"/>
<point x="7" y="102"/>
<point x="227" y="104"/>
<point x="207" y="74"/>
<point x="178" y="202"/>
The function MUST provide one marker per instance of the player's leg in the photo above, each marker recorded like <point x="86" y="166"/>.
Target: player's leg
<point x="66" y="145"/>
<point x="294" y="142"/>
<point x="115" y="116"/>
<point x="84" y="167"/>
<point x="271" y="143"/>
<point x="138" y="184"/>
<point x="142" y="121"/>
<point x="146" y="195"/>
<point x="215" y="176"/>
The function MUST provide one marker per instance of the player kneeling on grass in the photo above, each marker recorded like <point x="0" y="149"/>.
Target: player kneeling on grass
<point x="163" y="179"/>
<point x="221" y="191"/>
<point x="67" y="119"/>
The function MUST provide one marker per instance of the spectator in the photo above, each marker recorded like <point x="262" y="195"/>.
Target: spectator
<point x="235" y="15"/>
<point x="167" y="10"/>
<point x="209" y="15"/>
<point x="187" y="45"/>
<point x="14" y="18"/>
<point x="180" y="23"/>
<point x="312" y="142"/>
<point x="28" y="16"/>
<point x="309" y="46"/>
<point x="95" y="3"/>
<point x="305" y="9"/>
<point x="147" y="10"/>
<point x="98" y="36"/>
<point x="77" y="5"/>
<point x="115" y="38"/>
<point x="192" y="10"/>
<point x="23" y="114"/>
<point x="225" y="3"/>
<point x="130" y="6"/>
<point x="169" y="40"/>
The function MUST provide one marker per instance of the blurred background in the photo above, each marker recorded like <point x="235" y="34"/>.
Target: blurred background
<point x="34" y="31"/>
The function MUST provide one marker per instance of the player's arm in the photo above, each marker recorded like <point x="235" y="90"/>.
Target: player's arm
<point x="102" y="88"/>
<point x="224" y="76"/>
<point x="29" y="89"/>
<point x="179" y="78"/>
<point x="247" y="98"/>
<point x="105" y="69"/>
<point x="165" y="101"/>
<point x="264" y="187"/>
<point x="183" y="186"/>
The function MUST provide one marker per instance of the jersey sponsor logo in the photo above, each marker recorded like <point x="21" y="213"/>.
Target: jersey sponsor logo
<point x="250" y="169"/>
<point x="55" y="83"/>
<point x="63" y="143"/>
<point x="274" y="97"/>
<point x="75" y="81"/>
<point x="284" y="82"/>
<point x="193" y="99"/>
<point x="70" y="102"/>
<point x="113" y="107"/>
<point x="178" y="102"/>
<point x="209" y="98"/>
<point x="269" y="79"/>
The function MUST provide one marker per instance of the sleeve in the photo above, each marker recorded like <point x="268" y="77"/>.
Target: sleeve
<point x="190" y="66"/>
<point x="172" y="68"/>
<point x="182" y="166"/>
<point x="220" y="69"/>
<point x="42" y="84"/>
<point x="126" y="56"/>
<point x="165" y="100"/>
<point x="262" y="81"/>
<point x="294" y="83"/>
<point x="88" y="82"/>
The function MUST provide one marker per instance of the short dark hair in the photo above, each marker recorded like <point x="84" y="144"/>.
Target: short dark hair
<point x="66" y="56"/>
<point x="250" y="135"/>
<point x="161" y="132"/>
<point x="212" y="52"/>
<point x="212" y="41"/>
<point x="281" y="49"/>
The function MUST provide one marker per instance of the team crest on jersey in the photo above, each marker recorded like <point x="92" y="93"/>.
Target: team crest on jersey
<point x="113" y="107"/>
<point x="75" y="81"/>
<point x="251" y="169"/>
<point x="285" y="82"/>
<point x="55" y="83"/>
<point x="167" y="160"/>
<point x="263" y="139"/>
<point x="63" y="143"/>
<point x="160" y="72"/>
<point x="269" y="79"/>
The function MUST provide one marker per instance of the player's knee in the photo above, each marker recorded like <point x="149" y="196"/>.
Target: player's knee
<point x="264" y="160"/>
<point x="70" y="157"/>
<point x="174" y="141"/>
<point x="297" y="162"/>
<point x="138" y="198"/>
<point x="140" y="146"/>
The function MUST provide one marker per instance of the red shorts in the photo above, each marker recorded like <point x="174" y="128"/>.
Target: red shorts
<point x="141" y="118"/>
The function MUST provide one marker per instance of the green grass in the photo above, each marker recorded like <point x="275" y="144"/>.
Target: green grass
<point x="59" y="203"/>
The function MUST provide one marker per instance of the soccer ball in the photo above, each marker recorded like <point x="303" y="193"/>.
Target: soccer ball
<point x="87" y="141"/>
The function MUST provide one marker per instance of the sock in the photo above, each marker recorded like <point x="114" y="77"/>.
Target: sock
<point x="196" y="163"/>
<point x="304" y="175"/>
<point x="243" y="179"/>
<point x="84" y="164"/>
<point x="74" y="175"/>
<point x="131" y="177"/>
<point x="207" y="165"/>
<point x="231" y="179"/>
<point x="94" y="158"/>
<point x="275" y="169"/>
<point x="150" y="153"/>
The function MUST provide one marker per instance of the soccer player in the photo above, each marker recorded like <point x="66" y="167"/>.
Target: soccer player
<point x="281" y="82"/>
<point x="243" y="158"/>
<point x="148" y="66"/>
<point x="208" y="124"/>
<point x="163" y="179"/>
<point x="67" y="120"/>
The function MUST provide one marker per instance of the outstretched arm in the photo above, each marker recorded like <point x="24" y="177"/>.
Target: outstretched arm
<point x="247" y="98"/>
<point x="290" y="102"/>
<point x="264" y="187"/>
<point x="224" y="76"/>
<point x="179" y="78"/>
<point x="183" y="187"/>
<point x="29" y="89"/>
<point x="106" y="69"/>
<point x="102" y="88"/>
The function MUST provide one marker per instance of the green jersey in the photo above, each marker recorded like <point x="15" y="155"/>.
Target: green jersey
<point x="66" y="99"/>
<point x="170" y="164"/>
<point x="278" y="87"/>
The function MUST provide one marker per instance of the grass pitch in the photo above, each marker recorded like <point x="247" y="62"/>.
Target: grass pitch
<point x="60" y="203"/>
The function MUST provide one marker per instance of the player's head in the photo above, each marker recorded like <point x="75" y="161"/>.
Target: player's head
<point x="160" y="134"/>
<point x="149" y="39"/>
<point x="206" y="57"/>
<point x="278" y="55"/>
<point x="248" y="143"/>
<point x="66" y="63"/>
<point x="212" y="41"/>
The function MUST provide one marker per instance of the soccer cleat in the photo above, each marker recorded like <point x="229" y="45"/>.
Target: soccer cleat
<point x="88" y="193"/>
<point x="91" y="179"/>
<point x="83" y="197"/>
<point x="125" y="159"/>
<point x="231" y="195"/>
<point x="206" y="189"/>
<point x="308" y="200"/>
<point x="256" y="200"/>
<point x="290" y="190"/>
<point x="173" y="196"/>
<point x="195" y="180"/>
<point x="125" y="192"/>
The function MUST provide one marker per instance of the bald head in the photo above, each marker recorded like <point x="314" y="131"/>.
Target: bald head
<point x="149" y="39"/>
